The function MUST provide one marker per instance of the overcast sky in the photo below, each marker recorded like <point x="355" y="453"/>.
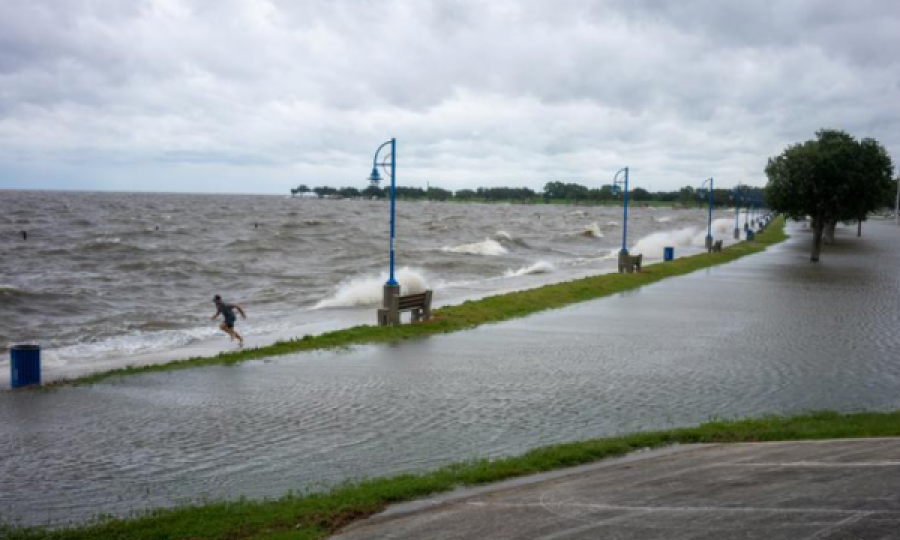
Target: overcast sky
<point x="261" y="95"/>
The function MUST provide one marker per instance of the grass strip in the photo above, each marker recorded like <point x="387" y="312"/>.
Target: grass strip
<point x="316" y="515"/>
<point x="469" y="314"/>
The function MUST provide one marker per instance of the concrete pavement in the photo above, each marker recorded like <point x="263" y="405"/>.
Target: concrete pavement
<point x="837" y="489"/>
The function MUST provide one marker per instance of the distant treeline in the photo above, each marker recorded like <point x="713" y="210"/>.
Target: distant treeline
<point x="553" y="191"/>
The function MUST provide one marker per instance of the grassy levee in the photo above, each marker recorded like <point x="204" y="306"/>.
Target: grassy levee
<point x="472" y="313"/>
<point x="316" y="515"/>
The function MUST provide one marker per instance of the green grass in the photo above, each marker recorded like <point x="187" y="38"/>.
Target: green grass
<point x="470" y="314"/>
<point x="316" y="515"/>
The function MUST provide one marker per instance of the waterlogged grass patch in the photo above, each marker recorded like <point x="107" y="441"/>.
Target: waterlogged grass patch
<point x="472" y="313"/>
<point x="316" y="515"/>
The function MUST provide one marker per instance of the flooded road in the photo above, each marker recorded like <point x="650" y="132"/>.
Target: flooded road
<point x="771" y="333"/>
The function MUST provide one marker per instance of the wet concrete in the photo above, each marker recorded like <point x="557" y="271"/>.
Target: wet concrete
<point x="768" y="333"/>
<point x="810" y="490"/>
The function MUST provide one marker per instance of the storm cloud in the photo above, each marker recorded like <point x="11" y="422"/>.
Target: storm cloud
<point x="260" y="95"/>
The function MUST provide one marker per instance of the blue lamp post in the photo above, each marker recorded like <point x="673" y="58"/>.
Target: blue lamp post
<point x="391" y="288"/>
<point x="753" y="216"/>
<point x="709" y="237"/>
<point x="748" y="198"/>
<point x="736" y="195"/>
<point x="615" y="190"/>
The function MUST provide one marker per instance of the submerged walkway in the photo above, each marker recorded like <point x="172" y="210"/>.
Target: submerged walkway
<point x="777" y="491"/>
<point x="769" y="333"/>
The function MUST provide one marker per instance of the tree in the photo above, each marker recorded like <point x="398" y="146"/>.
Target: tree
<point x="374" y="192"/>
<point x="830" y="179"/>
<point x="873" y="187"/>
<point x="565" y="191"/>
<point x="325" y="191"/>
<point x="640" y="194"/>
<point x="301" y="189"/>
<point x="687" y="196"/>
<point x="439" y="194"/>
<point x="349" y="192"/>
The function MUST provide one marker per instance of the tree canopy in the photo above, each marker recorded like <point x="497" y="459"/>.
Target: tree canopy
<point x="832" y="178"/>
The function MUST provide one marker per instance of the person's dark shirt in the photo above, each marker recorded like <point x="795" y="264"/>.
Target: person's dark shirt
<point x="228" y="311"/>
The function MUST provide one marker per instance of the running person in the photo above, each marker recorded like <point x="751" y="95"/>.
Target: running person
<point x="227" y="311"/>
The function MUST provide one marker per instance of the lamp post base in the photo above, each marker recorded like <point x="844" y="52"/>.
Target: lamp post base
<point x="737" y="233"/>
<point x="388" y="315"/>
<point x="709" y="242"/>
<point x="624" y="261"/>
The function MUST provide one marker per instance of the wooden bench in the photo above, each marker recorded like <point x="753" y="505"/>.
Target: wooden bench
<point x="717" y="246"/>
<point x="630" y="263"/>
<point x="418" y="304"/>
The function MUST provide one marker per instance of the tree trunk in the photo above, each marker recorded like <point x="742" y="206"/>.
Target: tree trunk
<point x="818" y="228"/>
<point x="859" y="228"/>
<point x="829" y="231"/>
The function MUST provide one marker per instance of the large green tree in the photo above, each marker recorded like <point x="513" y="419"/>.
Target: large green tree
<point x="832" y="178"/>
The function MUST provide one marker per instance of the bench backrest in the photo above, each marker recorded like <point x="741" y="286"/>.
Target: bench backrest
<point x="413" y="300"/>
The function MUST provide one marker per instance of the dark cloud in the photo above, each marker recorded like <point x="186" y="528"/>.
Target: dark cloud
<point x="508" y="92"/>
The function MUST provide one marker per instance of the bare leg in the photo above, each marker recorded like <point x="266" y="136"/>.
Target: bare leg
<point x="239" y="337"/>
<point x="229" y="331"/>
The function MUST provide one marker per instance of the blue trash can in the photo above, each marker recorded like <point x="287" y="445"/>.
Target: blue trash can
<point x="24" y="365"/>
<point x="750" y="234"/>
<point x="668" y="253"/>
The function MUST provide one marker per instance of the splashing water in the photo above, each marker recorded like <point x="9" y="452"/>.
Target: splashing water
<point x="369" y="290"/>
<point x="652" y="245"/>
<point x="592" y="231"/>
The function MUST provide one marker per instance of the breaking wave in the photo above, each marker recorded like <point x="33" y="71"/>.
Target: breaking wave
<point x="540" y="267"/>
<point x="592" y="231"/>
<point x="369" y="290"/>
<point x="488" y="247"/>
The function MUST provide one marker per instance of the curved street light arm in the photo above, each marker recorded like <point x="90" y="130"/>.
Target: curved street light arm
<point x="709" y="221"/>
<point x="616" y="181"/>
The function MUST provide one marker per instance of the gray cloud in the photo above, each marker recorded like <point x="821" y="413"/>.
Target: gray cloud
<point x="506" y="92"/>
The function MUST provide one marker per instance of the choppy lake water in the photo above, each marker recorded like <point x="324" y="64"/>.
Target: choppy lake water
<point x="770" y="333"/>
<point x="104" y="277"/>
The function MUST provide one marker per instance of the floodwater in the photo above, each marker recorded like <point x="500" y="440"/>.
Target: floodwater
<point x="109" y="279"/>
<point x="771" y="333"/>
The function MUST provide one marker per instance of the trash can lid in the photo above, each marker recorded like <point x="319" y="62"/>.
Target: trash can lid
<point x="25" y="347"/>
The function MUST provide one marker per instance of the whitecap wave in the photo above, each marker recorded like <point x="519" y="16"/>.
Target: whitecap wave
<point x="488" y="247"/>
<point x="369" y="290"/>
<point x="592" y="231"/>
<point x="540" y="267"/>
